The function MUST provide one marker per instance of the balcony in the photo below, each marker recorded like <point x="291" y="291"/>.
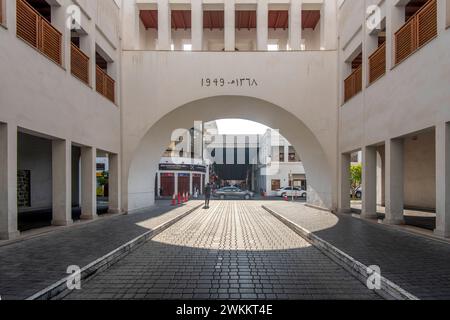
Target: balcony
<point x="418" y="31"/>
<point x="79" y="64"/>
<point x="105" y="84"/>
<point x="353" y="84"/>
<point x="377" y="64"/>
<point x="35" y="30"/>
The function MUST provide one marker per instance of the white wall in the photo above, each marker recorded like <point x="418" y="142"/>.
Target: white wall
<point x="162" y="92"/>
<point x="40" y="96"/>
<point x="420" y="171"/>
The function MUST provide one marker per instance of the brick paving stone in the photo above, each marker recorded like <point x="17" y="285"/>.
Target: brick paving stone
<point x="31" y="265"/>
<point x="231" y="235"/>
<point x="418" y="264"/>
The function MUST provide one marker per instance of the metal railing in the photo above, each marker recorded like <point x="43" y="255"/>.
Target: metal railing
<point x="38" y="32"/>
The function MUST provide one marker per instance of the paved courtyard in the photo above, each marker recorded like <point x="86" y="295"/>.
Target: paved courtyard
<point x="418" y="264"/>
<point x="234" y="250"/>
<point x="31" y="265"/>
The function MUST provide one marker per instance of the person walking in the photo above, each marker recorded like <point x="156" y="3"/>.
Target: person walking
<point x="207" y="195"/>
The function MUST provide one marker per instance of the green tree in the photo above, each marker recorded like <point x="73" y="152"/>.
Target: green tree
<point x="355" y="177"/>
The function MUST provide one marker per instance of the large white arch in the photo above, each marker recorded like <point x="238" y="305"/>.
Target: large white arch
<point x="139" y="173"/>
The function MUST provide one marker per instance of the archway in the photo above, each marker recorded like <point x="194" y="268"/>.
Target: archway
<point x="138" y="183"/>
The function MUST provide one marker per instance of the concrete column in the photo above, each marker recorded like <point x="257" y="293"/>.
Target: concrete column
<point x="190" y="183"/>
<point x="328" y="26"/>
<point x="88" y="183"/>
<point x="164" y="25"/>
<point x="295" y="25"/>
<point x="8" y="181"/>
<point x="87" y="44"/>
<point x="230" y="28"/>
<point x="286" y="153"/>
<point x="114" y="184"/>
<point x="369" y="182"/>
<point x="197" y="24"/>
<point x="344" y="185"/>
<point x="262" y="25"/>
<point x="202" y="182"/>
<point x="443" y="179"/>
<point x="158" y="184"/>
<point x="62" y="182"/>
<point x="176" y="182"/>
<point x="59" y="20"/>
<point x="394" y="182"/>
<point x="131" y="26"/>
<point x="380" y="176"/>
<point x="395" y="18"/>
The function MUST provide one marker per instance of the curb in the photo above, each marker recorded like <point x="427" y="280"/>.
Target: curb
<point x="389" y="290"/>
<point x="60" y="289"/>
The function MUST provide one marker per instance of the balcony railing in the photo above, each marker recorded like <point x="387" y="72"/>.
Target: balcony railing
<point x="418" y="30"/>
<point x="38" y="32"/>
<point x="79" y="64"/>
<point x="377" y="63"/>
<point x="353" y="84"/>
<point x="105" y="84"/>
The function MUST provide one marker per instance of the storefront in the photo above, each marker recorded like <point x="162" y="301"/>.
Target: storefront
<point x="179" y="178"/>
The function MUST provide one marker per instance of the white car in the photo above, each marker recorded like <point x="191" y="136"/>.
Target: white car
<point x="289" y="191"/>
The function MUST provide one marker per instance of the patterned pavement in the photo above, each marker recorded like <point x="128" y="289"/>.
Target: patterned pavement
<point x="418" y="264"/>
<point x="234" y="250"/>
<point x="31" y="265"/>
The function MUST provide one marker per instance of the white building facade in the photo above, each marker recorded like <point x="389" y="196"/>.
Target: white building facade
<point x="347" y="76"/>
<point x="55" y="114"/>
<point x="282" y="169"/>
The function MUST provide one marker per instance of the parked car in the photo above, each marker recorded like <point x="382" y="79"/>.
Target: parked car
<point x="291" y="192"/>
<point x="358" y="193"/>
<point x="233" y="192"/>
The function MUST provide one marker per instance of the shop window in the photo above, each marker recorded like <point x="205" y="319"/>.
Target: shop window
<point x="276" y="184"/>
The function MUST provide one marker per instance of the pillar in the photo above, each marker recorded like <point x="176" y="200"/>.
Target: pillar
<point x="114" y="183"/>
<point x="158" y="184"/>
<point x="8" y="182"/>
<point x="369" y="182"/>
<point x="230" y="28"/>
<point x="395" y="18"/>
<point x="344" y="185"/>
<point x="88" y="46"/>
<point x="202" y="183"/>
<point x="380" y="176"/>
<point x="262" y="25"/>
<point x="286" y="153"/>
<point x="295" y="25"/>
<point x="328" y="25"/>
<point x="190" y="183"/>
<point x="62" y="182"/>
<point x="394" y="182"/>
<point x="197" y="24"/>
<point x="88" y="183"/>
<point x="443" y="180"/>
<point x="164" y="25"/>
<point x="176" y="182"/>
<point x="59" y="20"/>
